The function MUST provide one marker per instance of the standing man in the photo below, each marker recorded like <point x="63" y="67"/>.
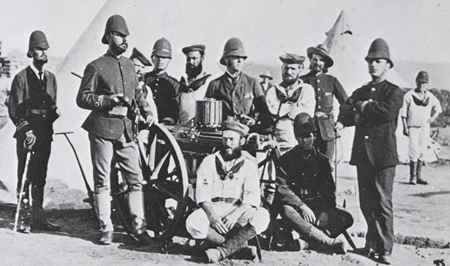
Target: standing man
<point x="326" y="86"/>
<point x="165" y="88"/>
<point x="265" y="81"/>
<point x="374" y="110"/>
<point x="307" y="191"/>
<point x="228" y="193"/>
<point x="108" y="84"/>
<point x="32" y="108"/>
<point x="288" y="99"/>
<point x="194" y="84"/>
<point x="241" y="95"/>
<point x="420" y="109"/>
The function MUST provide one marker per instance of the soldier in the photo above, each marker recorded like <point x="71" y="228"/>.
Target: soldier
<point x="326" y="86"/>
<point x="420" y="109"/>
<point x="288" y="99"/>
<point x="307" y="191"/>
<point x="194" y="84"/>
<point x="265" y="81"/>
<point x="229" y="196"/>
<point x="32" y="108"/>
<point x="164" y="87"/>
<point x="374" y="110"/>
<point x="242" y="95"/>
<point x="108" y="84"/>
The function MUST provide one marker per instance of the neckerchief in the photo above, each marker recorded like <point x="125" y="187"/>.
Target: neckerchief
<point x="284" y="98"/>
<point x="420" y="102"/>
<point x="194" y="85"/>
<point x="224" y="174"/>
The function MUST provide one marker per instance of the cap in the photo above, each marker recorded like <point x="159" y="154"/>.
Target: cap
<point x="195" y="47"/>
<point x="292" y="59"/>
<point x="236" y="127"/>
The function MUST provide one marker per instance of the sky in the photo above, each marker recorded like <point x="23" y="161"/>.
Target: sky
<point x="415" y="30"/>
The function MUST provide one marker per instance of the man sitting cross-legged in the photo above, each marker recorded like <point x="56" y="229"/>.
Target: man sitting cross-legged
<point x="228" y="193"/>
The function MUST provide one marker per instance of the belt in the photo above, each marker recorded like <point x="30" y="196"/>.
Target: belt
<point x="321" y="114"/>
<point x="38" y="111"/>
<point x="227" y="200"/>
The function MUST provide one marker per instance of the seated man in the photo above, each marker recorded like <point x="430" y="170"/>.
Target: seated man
<point x="306" y="191"/>
<point x="228" y="194"/>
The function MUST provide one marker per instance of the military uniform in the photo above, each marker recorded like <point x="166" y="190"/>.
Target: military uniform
<point x="192" y="91"/>
<point x="166" y="94"/>
<point x="308" y="180"/>
<point x="325" y="86"/>
<point x="241" y="96"/>
<point x="375" y="155"/>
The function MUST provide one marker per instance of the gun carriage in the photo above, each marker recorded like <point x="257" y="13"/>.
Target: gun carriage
<point x="169" y="162"/>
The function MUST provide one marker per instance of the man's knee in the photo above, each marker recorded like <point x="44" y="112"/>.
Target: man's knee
<point x="260" y="220"/>
<point x="197" y="224"/>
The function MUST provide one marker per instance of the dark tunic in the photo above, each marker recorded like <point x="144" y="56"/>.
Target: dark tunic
<point x="166" y="93"/>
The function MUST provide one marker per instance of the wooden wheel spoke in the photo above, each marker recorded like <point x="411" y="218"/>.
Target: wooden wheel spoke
<point x="159" y="166"/>
<point x="163" y="213"/>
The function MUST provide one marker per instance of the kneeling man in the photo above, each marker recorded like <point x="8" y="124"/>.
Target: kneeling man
<point x="306" y="190"/>
<point x="229" y="196"/>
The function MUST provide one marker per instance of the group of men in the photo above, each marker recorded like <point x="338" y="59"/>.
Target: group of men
<point x="298" y="112"/>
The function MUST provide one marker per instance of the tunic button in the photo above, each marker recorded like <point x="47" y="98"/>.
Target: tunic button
<point x="373" y="89"/>
<point x="319" y="106"/>
<point x="318" y="81"/>
<point x="43" y="115"/>
<point x="366" y="137"/>
<point x="318" y="89"/>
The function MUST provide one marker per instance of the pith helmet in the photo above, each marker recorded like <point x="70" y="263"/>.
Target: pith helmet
<point x="162" y="48"/>
<point x="422" y="77"/>
<point x="37" y="40"/>
<point x="379" y="50"/>
<point x="115" y="23"/>
<point x="233" y="47"/>
<point x="304" y="124"/>
<point x="321" y="50"/>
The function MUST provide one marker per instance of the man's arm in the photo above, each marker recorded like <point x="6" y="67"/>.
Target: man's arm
<point x="385" y="110"/>
<point x="437" y="109"/>
<point x="16" y="107"/>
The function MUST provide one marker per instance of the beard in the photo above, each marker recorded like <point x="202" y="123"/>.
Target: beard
<point x="193" y="71"/>
<point x="119" y="49"/>
<point x="288" y="80"/>
<point x="227" y="156"/>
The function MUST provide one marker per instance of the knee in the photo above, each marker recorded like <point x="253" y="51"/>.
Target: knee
<point x="197" y="224"/>
<point x="260" y="220"/>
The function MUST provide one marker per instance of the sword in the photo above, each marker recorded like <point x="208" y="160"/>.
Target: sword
<point x="24" y="178"/>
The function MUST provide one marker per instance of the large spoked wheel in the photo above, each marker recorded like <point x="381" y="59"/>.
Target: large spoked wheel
<point x="166" y="183"/>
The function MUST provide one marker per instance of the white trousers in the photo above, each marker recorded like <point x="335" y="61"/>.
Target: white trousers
<point x="197" y="224"/>
<point x="418" y="141"/>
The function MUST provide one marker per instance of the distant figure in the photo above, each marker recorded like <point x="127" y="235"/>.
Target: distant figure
<point x="165" y="89"/>
<point x="108" y="88"/>
<point x="265" y="83"/>
<point x="193" y="85"/>
<point x="32" y="108"/>
<point x="241" y="94"/>
<point x="288" y="99"/>
<point x="374" y="110"/>
<point x="307" y="191"/>
<point x="229" y="197"/>
<point x="4" y="94"/>
<point x="326" y="87"/>
<point x="420" y="109"/>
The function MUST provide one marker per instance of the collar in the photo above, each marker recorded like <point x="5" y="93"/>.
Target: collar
<point x="235" y="75"/>
<point x="199" y="76"/>
<point x="35" y="70"/>
<point x="236" y="161"/>
<point x="295" y="86"/>
<point x="163" y="75"/>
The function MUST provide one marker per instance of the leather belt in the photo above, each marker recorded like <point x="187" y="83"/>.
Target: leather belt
<point x="227" y="200"/>
<point x="322" y="114"/>
<point x="38" y="111"/>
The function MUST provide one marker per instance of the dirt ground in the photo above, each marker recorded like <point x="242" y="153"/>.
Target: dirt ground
<point x="422" y="230"/>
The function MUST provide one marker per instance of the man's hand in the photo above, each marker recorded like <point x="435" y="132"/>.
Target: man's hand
<point x="217" y="224"/>
<point x="339" y="126"/>
<point x="406" y="131"/>
<point x="230" y="220"/>
<point x="430" y="120"/>
<point x="117" y="98"/>
<point x="307" y="214"/>
<point x="29" y="141"/>
<point x="247" y="120"/>
<point x="322" y="221"/>
<point x="148" y="122"/>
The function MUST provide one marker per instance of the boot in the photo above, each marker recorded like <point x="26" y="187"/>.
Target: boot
<point x="319" y="237"/>
<point x="419" y="172"/>
<point x="136" y="207"/>
<point x="39" y="220"/>
<point x="102" y="202"/>
<point x="232" y="245"/>
<point x="412" y="172"/>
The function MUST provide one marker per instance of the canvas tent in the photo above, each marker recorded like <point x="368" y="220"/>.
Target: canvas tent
<point x="148" y="21"/>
